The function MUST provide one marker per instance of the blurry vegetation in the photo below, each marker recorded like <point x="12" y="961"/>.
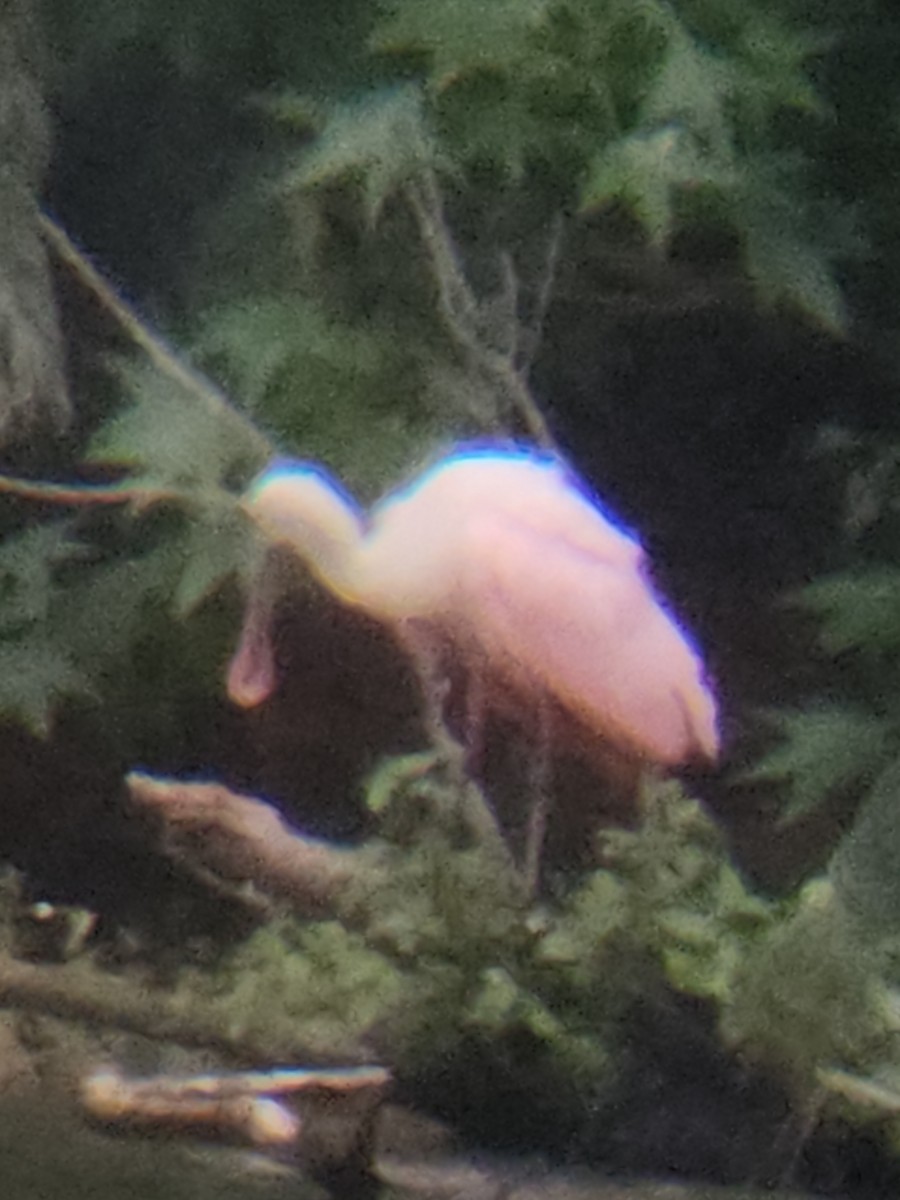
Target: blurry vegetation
<point x="356" y="218"/>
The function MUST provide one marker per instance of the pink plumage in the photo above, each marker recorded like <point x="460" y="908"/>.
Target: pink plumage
<point x="501" y="554"/>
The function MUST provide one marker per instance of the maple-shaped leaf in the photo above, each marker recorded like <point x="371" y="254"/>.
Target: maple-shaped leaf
<point x="460" y="36"/>
<point x="324" y="380"/>
<point x="646" y="172"/>
<point x="253" y="341"/>
<point x="35" y="674"/>
<point x="771" y="69"/>
<point x="28" y="561"/>
<point x="692" y="88"/>
<point x="173" y="439"/>
<point x="859" y="610"/>
<point x="100" y="612"/>
<point x="382" y="141"/>
<point x="215" y="545"/>
<point x="290" y="353"/>
<point x="864" y="867"/>
<point x="822" y="750"/>
<point x="492" y="119"/>
<point x="791" y="240"/>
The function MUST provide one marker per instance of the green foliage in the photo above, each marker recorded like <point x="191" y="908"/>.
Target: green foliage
<point x="676" y="112"/>
<point x="685" y="900"/>
<point x="383" y="143"/>
<point x="791" y="240"/>
<point x="36" y="675"/>
<point x="822" y="751"/>
<point x="858" y="610"/>
<point x="172" y="439"/>
<point x="317" y="380"/>
<point x="121" y="585"/>
<point x="864" y="867"/>
<point x="841" y="743"/>
<point x="647" y="171"/>
<point x="319" y="984"/>
<point x="449" y="954"/>
<point x="667" y="890"/>
<point x="82" y="597"/>
<point x="666" y="910"/>
<point x="380" y="297"/>
<point x="807" y="997"/>
<point x="37" y="669"/>
<point x="461" y="36"/>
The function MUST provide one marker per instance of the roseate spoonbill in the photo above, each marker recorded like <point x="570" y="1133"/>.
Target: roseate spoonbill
<point x="501" y="554"/>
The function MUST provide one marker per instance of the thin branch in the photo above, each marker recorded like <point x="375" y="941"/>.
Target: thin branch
<point x="156" y="349"/>
<point x="456" y="297"/>
<point x="460" y="312"/>
<point x="86" y="494"/>
<point x="509" y="296"/>
<point x="544" y="293"/>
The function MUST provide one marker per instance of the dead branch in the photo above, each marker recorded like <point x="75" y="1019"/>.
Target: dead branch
<point x="235" y="1105"/>
<point x="239" y="839"/>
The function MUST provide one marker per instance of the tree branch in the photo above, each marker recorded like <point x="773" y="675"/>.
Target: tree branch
<point x="160" y="354"/>
<point x="463" y="320"/>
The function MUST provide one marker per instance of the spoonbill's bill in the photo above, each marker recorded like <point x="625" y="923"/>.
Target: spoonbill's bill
<point x="503" y="556"/>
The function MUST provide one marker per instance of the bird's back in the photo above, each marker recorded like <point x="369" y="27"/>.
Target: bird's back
<point x="423" y="533"/>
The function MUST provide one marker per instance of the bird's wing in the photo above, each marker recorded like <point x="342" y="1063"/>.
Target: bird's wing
<point x="590" y="634"/>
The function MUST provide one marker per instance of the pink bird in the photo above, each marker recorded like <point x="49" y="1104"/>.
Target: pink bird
<point x="502" y="556"/>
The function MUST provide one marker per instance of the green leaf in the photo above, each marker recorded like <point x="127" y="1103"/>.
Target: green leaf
<point x="693" y="87"/>
<point x="859" y="610"/>
<point x="393" y="775"/>
<point x="254" y="342"/>
<point x="382" y="142"/>
<point x="34" y="675"/>
<point x="317" y="380"/>
<point x="771" y="56"/>
<point x="175" y="440"/>
<point x="789" y="240"/>
<point x="28" y="562"/>
<point x="864" y="869"/>
<point x="646" y="172"/>
<point x="100" y="612"/>
<point x="822" y="751"/>
<point x="461" y="36"/>
<point x="214" y="546"/>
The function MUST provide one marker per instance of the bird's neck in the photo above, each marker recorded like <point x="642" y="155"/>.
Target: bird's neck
<point x="321" y="526"/>
<point x="333" y="550"/>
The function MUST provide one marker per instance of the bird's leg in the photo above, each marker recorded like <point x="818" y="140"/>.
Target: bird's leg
<point x="425" y="649"/>
<point x="540" y="782"/>
<point x="474" y="720"/>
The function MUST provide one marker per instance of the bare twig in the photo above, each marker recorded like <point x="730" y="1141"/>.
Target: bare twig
<point x="86" y="494"/>
<point x="535" y="331"/>
<point x="509" y="296"/>
<point x="460" y="312"/>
